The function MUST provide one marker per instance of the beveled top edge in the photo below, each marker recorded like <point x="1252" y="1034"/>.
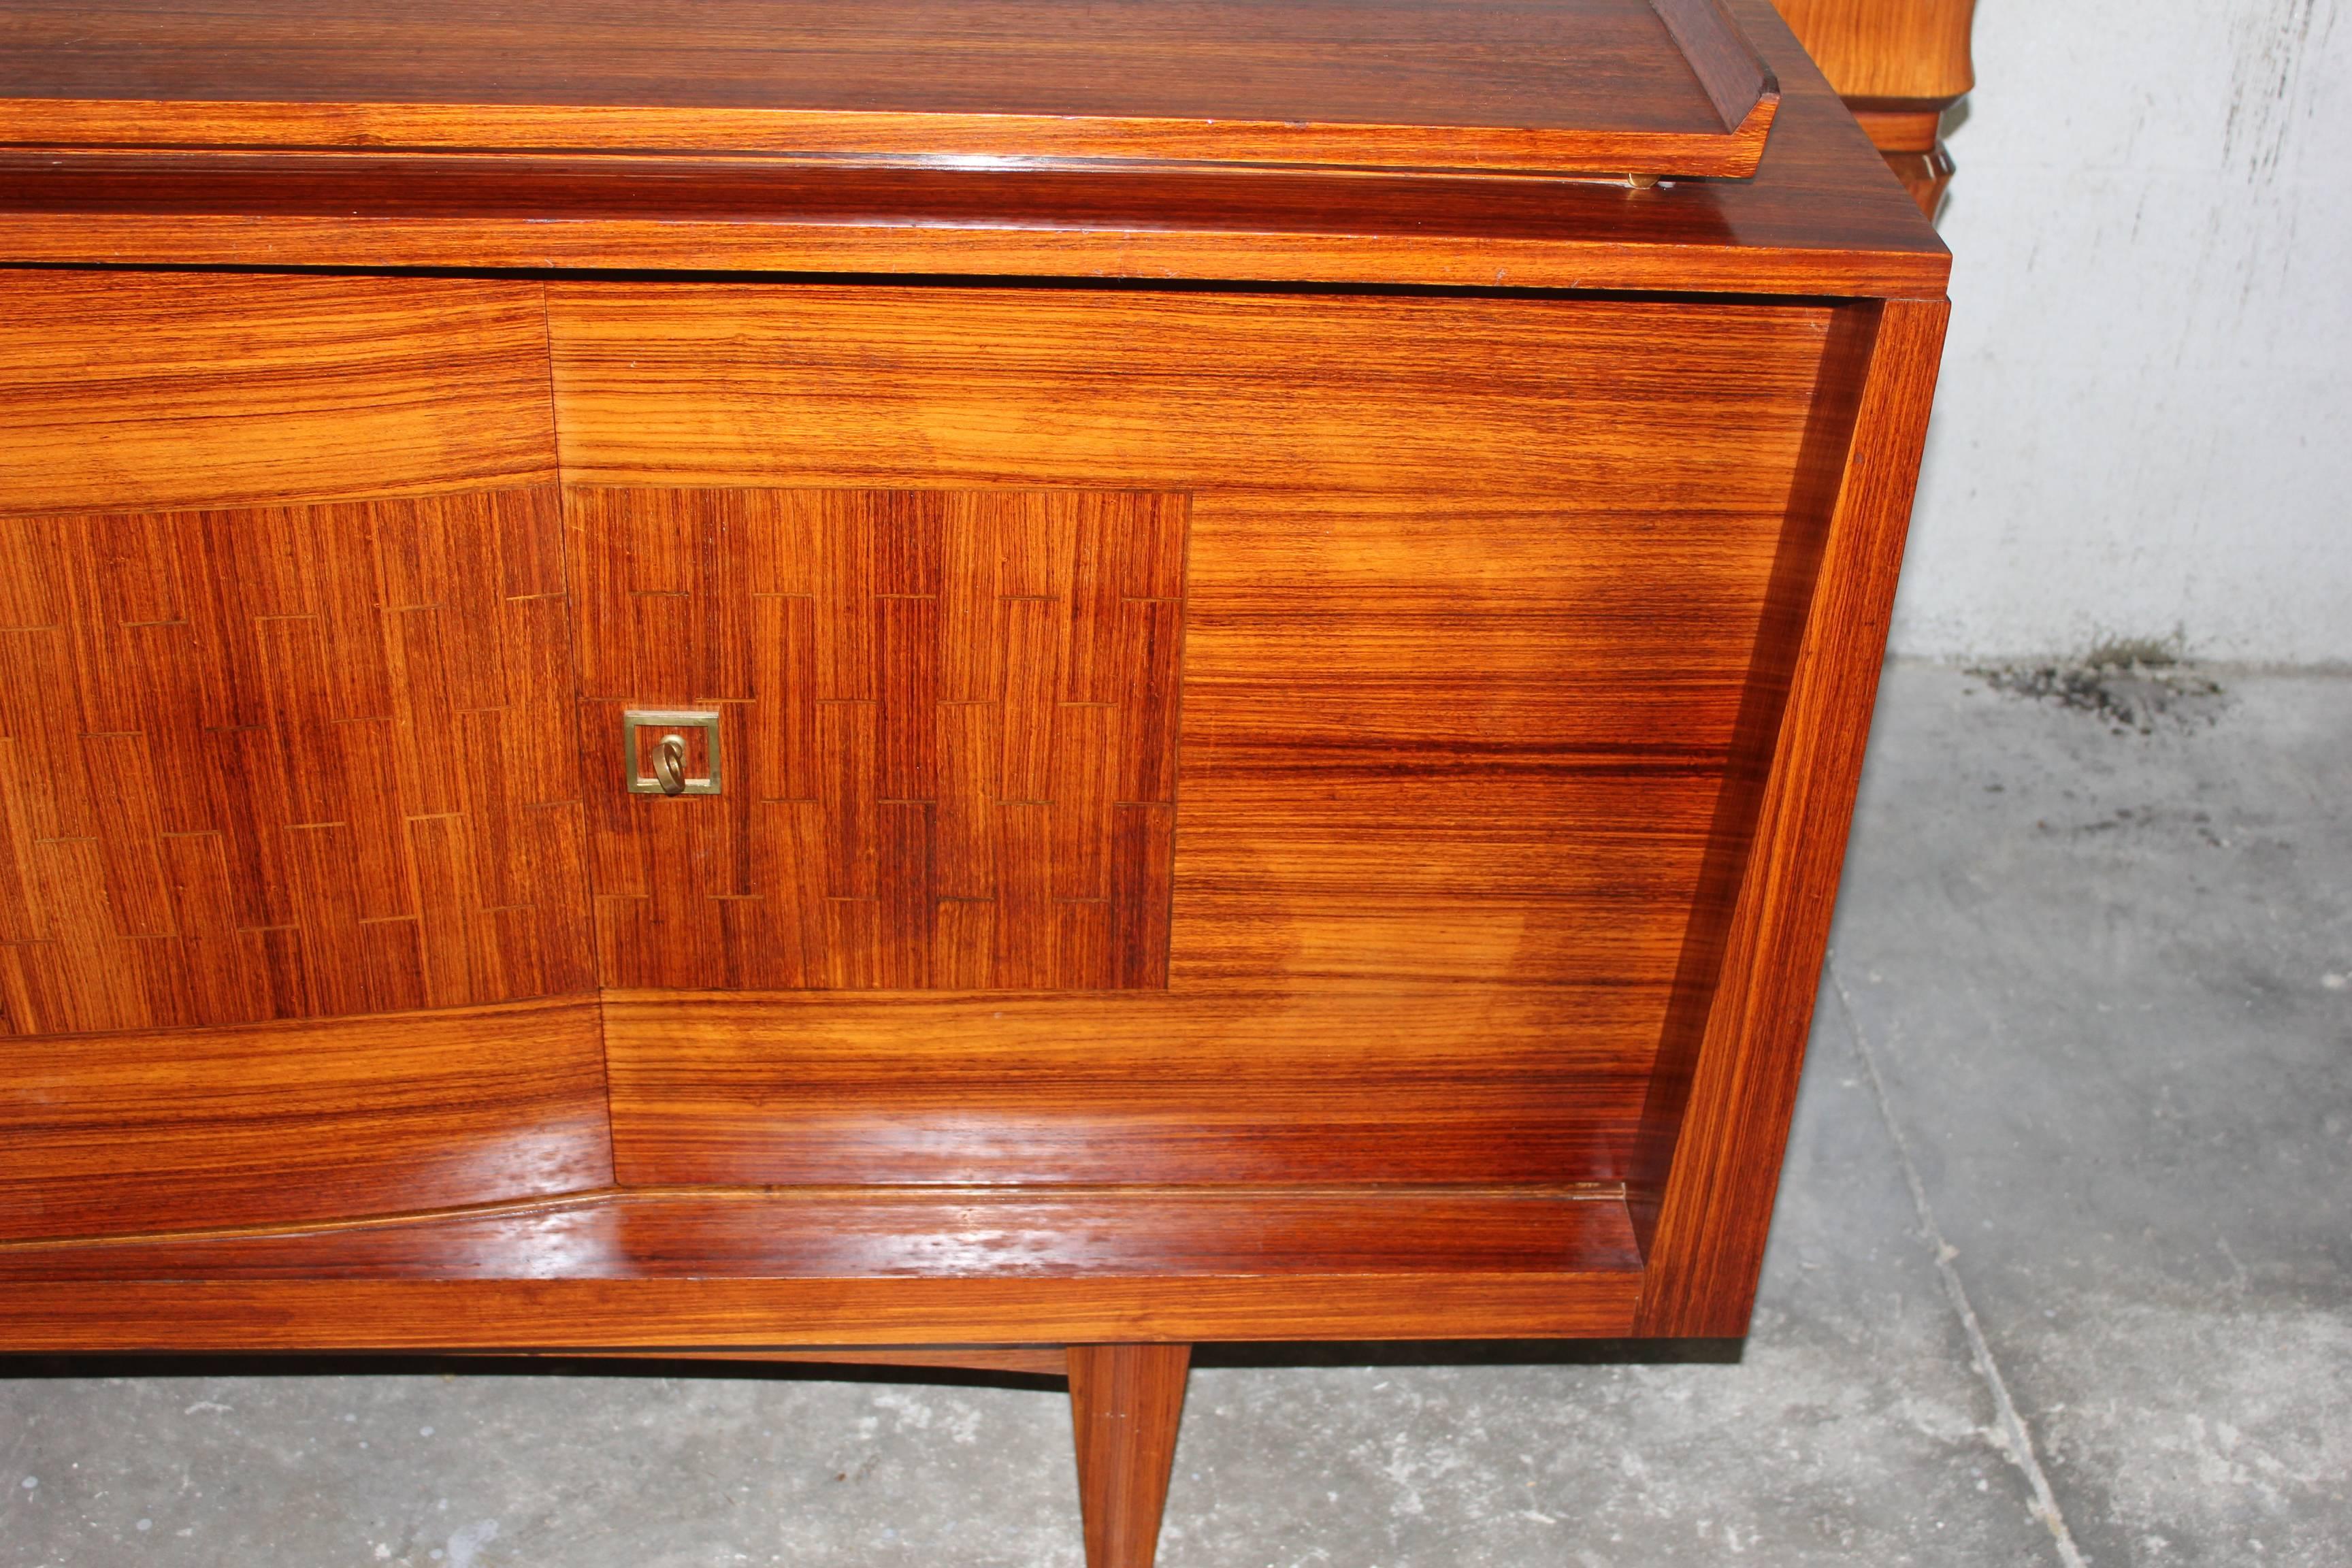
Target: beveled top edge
<point x="1649" y="86"/>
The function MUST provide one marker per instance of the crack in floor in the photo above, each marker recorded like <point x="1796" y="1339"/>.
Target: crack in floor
<point x="2015" y="1435"/>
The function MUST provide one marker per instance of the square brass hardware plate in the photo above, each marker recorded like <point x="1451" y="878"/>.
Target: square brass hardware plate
<point x="646" y="734"/>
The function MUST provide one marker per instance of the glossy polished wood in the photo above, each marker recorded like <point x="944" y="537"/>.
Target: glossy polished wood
<point x="284" y="1122"/>
<point x="225" y="391"/>
<point x="1464" y="657"/>
<point x="1818" y="216"/>
<point x="718" y="1270"/>
<point x="1025" y="1361"/>
<point x="286" y="762"/>
<point x="1899" y="65"/>
<point x="1618" y="86"/>
<point x="1881" y="51"/>
<point x="1738" y="83"/>
<point x="950" y="721"/>
<point x="295" y="759"/>
<point x="1435" y="1082"/>
<point x="1717" y="1120"/>
<point x="1126" y="1403"/>
<point x="877" y="1232"/>
<point x="1490" y="819"/>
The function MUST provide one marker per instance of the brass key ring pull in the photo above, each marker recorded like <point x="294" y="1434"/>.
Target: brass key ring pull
<point x="669" y="763"/>
<point x="660" y="766"/>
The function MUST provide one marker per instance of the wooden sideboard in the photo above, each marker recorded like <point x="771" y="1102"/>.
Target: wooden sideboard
<point x="979" y="686"/>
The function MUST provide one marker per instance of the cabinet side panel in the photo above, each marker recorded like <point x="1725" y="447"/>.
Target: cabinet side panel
<point x="1718" y="1118"/>
<point x="1731" y="835"/>
<point x="287" y="1122"/>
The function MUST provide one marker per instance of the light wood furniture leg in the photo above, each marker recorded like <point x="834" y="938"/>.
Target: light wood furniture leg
<point x="1125" y="1404"/>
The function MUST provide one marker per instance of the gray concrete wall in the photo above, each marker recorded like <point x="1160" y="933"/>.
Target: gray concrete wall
<point x="2141" y="431"/>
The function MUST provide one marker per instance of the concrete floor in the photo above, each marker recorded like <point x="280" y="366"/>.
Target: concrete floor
<point x="2062" y="1272"/>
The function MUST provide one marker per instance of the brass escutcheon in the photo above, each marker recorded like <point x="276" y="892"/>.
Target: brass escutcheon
<point x="669" y="753"/>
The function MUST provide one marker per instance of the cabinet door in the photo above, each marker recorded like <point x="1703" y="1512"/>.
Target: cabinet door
<point x="285" y="735"/>
<point x="1398" y="660"/>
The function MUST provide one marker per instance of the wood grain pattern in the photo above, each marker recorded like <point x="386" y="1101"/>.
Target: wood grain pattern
<point x="1464" y="650"/>
<point x="286" y="1123"/>
<point x="1716" y="1129"/>
<point x="1025" y="1360"/>
<point x="877" y="1232"/>
<point x="1899" y="68"/>
<point x="714" y="1270"/>
<point x="1435" y="1082"/>
<point x="1126" y="1403"/>
<point x="1789" y="601"/>
<point x="1527" y="650"/>
<point x="271" y="751"/>
<point x="1562" y="85"/>
<point x="227" y="391"/>
<point x="1737" y="81"/>
<point x="596" y="1315"/>
<point x="1818" y="217"/>
<point x="286" y="762"/>
<point x="1915" y="51"/>
<point x="951" y="726"/>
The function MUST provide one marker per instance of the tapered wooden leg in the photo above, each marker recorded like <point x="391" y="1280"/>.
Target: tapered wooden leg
<point x="1125" y="1404"/>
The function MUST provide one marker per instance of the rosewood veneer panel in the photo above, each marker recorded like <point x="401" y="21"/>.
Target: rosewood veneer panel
<point x="220" y="391"/>
<point x="1663" y="86"/>
<point x="282" y="1122"/>
<point x="1325" y="1081"/>
<point x="265" y="751"/>
<point x="778" y="1268"/>
<point x="883" y="1233"/>
<point x="286" y="762"/>
<point x="948" y="730"/>
<point x="1474" y="598"/>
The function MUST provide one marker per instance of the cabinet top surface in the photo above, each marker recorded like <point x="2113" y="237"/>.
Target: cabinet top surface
<point x="581" y="133"/>
<point x="1616" y="86"/>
